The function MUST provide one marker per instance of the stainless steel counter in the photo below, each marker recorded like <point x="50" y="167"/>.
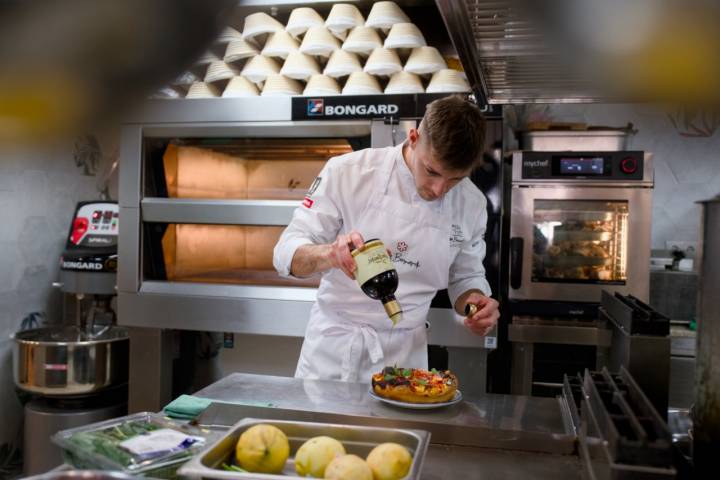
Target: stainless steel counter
<point x="492" y="436"/>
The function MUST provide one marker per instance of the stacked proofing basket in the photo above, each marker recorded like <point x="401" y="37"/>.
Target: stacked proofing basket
<point x="345" y="53"/>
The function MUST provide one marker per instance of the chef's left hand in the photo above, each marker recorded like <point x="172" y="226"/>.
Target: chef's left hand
<point x="485" y="317"/>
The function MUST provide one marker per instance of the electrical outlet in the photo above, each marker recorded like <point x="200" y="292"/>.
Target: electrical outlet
<point x="690" y="248"/>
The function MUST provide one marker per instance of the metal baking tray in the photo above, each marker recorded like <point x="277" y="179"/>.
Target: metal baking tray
<point x="356" y="440"/>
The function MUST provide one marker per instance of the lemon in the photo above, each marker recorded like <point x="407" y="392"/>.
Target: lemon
<point x="348" y="467"/>
<point x="389" y="461"/>
<point x="314" y="456"/>
<point x="262" y="448"/>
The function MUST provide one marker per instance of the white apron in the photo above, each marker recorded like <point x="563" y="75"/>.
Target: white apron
<point x="349" y="334"/>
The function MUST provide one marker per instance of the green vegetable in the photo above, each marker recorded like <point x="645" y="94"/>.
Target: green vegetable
<point x="407" y="372"/>
<point x="434" y="372"/>
<point x="232" y="468"/>
<point x="389" y="378"/>
<point x="106" y="442"/>
<point x="422" y="381"/>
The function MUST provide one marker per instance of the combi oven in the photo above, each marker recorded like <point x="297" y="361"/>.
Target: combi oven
<point x="579" y="223"/>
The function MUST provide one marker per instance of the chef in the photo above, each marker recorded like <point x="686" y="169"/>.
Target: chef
<point x="417" y="199"/>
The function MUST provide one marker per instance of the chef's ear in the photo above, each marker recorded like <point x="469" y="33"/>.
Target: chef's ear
<point x="413" y="137"/>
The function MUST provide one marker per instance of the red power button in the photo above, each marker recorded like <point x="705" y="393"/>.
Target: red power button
<point x="628" y="165"/>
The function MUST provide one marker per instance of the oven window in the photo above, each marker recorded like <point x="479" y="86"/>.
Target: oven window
<point x="229" y="254"/>
<point x="237" y="169"/>
<point x="580" y="241"/>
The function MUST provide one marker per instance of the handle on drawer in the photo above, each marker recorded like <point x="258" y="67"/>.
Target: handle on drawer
<point x="516" y="262"/>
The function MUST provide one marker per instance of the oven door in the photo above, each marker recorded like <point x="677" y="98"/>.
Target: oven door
<point x="568" y="243"/>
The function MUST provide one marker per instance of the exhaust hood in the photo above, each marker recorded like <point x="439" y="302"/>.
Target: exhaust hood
<point x="578" y="51"/>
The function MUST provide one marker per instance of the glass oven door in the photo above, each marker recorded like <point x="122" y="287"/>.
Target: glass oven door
<point x="568" y="242"/>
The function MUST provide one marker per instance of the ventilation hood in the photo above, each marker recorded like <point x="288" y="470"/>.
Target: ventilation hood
<point x="576" y="51"/>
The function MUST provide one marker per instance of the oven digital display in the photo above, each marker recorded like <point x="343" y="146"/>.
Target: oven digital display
<point x="582" y="165"/>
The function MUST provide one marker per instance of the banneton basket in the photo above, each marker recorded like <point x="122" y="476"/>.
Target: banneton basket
<point x="321" y="85"/>
<point x="259" y="67"/>
<point x="300" y="66"/>
<point x="240" y="87"/>
<point x="361" y="83"/>
<point x="342" y="64"/>
<point x="301" y="19"/>
<point x="383" y="62"/>
<point x="385" y="14"/>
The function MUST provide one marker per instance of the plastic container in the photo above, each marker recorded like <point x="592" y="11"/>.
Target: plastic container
<point x="82" y="449"/>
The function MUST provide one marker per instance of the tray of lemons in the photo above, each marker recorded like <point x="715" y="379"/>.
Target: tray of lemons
<point x="279" y="449"/>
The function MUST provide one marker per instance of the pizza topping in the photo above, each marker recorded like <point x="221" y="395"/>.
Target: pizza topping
<point x="419" y="385"/>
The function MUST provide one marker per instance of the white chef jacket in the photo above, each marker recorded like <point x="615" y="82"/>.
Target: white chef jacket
<point x="434" y="245"/>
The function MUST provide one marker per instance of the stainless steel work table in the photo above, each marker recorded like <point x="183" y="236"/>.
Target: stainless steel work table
<point x="492" y="436"/>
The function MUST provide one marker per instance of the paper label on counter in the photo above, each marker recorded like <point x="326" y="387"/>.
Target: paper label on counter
<point x="159" y="441"/>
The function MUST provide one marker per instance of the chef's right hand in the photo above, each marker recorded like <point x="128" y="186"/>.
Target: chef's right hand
<point x="339" y="254"/>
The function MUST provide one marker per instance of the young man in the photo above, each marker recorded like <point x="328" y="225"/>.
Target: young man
<point x="417" y="199"/>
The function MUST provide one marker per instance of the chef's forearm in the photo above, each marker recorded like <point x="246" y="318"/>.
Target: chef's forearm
<point x="309" y="259"/>
<point x="462" y="300"/>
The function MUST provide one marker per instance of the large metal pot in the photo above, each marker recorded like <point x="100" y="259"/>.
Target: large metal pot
<point x="63" y="361"/>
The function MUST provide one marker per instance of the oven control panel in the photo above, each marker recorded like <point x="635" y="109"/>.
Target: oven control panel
<point x="612" y="166"/>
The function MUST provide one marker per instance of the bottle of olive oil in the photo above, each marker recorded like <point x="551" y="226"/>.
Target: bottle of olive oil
<point x="377" y="276"/>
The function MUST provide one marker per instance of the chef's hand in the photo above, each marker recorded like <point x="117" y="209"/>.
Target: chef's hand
<point x="339" y="252"/>
<point x="486" y="315"/>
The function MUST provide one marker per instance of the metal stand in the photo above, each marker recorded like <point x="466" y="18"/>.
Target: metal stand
<point x="525" y="332"/>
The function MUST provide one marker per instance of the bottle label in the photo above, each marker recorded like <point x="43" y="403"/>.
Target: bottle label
<point x="372" y="260"/>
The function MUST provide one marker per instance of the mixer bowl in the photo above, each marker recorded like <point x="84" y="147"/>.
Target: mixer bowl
<point x="63" y="361"/>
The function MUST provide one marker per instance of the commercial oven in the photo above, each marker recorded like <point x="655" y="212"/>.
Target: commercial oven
<point x="206" y="188"/>
<point x="580" y="223"/>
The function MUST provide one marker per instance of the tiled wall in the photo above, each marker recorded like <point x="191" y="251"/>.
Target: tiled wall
<point x="39" y="188"/>
<point x="687" y="169"/>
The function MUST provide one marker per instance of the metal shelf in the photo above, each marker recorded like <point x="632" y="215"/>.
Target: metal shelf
<point x="225" y="212"/>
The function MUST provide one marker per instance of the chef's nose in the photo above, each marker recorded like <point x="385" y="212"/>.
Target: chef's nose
<point x="438" y="188"/>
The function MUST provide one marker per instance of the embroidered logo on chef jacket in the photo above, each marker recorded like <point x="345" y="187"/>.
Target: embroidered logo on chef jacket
<point x="457" y="237"/>
<point x="400" y="256"/>
<point x="308" y="202"/>
<point x="315" y="107"/>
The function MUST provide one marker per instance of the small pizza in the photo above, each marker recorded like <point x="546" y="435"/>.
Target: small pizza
<point x="414" y="385"/>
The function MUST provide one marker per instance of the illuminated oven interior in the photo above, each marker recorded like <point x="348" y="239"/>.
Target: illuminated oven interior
<point x="580" y="241"/>
<point x="237" y="169"/>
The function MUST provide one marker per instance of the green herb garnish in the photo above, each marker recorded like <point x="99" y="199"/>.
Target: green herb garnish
<point x="407" y="372"/>
<point x="389" y="378"/>
<point x="232" y="468"/>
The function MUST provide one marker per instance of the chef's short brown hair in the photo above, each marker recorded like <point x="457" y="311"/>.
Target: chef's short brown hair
<point x="455" y="128"/>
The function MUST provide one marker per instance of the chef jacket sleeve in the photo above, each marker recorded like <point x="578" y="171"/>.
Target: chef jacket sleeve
<point x="467" y="270"/>
<point x="316" y="221"/>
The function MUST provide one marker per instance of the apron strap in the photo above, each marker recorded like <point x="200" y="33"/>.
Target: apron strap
<point x="353" y="353"/>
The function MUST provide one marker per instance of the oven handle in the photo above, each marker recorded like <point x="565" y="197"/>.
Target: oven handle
<point x="516" y="262"/>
